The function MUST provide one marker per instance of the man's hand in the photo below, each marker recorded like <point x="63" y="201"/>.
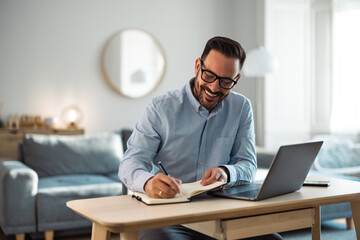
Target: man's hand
<point x="214" y="174"/>
<point x="162" y="186"/>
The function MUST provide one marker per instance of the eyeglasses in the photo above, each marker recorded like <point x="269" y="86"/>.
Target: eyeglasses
<point x="209" y="77"/>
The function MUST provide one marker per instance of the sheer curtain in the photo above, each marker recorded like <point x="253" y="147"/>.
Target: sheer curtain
<point x="345" y="114"/>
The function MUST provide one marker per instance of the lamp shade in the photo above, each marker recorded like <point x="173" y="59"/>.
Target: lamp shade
<point x="260" y="62"/>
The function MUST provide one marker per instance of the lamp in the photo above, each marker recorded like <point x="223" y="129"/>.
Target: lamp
<point x="72" y="117"/>
<point x="259" y="63"/>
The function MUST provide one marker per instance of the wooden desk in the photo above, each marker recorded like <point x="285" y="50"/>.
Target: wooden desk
<point x="217" y="217"/>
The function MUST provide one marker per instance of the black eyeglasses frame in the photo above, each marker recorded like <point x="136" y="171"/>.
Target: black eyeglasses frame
<point x="217" y="77"/>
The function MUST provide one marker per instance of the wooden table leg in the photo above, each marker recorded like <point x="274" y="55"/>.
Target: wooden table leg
<point x="20" y="236"/>
<point x="49" y="235"/>
<point x="355" y="207"/>
<point x="349" y="223"/>
<point x="99" y="232"/>
<point x="316" y="228"/>
<point x="129" y="235"/>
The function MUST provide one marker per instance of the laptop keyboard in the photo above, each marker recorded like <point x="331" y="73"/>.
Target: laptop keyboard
<point x="249" y="194"/>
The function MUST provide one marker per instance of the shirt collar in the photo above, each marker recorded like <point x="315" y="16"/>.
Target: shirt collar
<point x="195" y="103"/>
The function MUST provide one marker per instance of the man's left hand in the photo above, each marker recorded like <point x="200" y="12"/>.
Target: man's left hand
<point x="214" y="174"/>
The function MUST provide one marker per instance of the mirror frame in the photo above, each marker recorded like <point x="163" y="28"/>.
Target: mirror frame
<point x="106" y="74"/>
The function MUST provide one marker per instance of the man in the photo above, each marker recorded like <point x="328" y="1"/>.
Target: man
<point x="203" y="131"/>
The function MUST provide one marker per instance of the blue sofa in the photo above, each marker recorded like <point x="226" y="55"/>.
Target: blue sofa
<point x="51" y="171"/>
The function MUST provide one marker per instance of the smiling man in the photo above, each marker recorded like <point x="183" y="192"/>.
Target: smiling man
<point x="203" y="131"/>
<point x="207" y="92"/>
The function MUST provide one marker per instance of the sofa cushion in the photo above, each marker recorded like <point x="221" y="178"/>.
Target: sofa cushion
<point x="82" y="154"/>
<point x="339" y="155"/>
<point x="55" y="191"/>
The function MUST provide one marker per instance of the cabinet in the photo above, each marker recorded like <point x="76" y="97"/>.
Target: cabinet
<point x="9" y="139"/>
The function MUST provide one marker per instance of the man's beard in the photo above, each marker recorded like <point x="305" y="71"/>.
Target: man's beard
<point x="199" y="91"/>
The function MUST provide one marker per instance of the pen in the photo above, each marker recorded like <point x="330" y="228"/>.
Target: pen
<point x="167" y="174"/>
<point x="162" y="168"/>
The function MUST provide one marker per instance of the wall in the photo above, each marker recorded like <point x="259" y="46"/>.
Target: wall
<point x="50" y="51"/>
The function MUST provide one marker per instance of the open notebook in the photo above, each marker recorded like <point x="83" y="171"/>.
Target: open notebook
<point x="187" y="191"/>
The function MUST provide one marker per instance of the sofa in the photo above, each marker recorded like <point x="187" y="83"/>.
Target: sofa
<point x="52" y="170"/>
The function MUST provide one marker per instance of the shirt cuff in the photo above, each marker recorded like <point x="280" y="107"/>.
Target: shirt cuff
<point x="233" y="175"/>
<point x="141" y="180"/>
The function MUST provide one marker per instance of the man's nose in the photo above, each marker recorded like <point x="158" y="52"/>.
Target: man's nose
<point x="215" y="86"/>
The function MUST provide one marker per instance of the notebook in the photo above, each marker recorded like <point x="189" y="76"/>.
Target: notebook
<point x="287" y="173"/>
<point x="187" y="191"/>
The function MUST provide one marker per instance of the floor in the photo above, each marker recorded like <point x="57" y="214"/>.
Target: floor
<point x="78" y="237"/>
<point x="330" y="230"/>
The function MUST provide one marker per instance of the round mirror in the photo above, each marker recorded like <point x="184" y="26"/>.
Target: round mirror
<point x="133" y="62"/>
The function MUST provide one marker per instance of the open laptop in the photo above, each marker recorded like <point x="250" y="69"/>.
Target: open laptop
<point x="287" y="173"/>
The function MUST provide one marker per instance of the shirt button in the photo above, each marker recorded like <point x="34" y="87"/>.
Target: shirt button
<point x="200" y="163"/>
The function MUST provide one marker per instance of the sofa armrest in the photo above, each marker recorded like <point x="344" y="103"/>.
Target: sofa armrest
<point x="18" y="189"/>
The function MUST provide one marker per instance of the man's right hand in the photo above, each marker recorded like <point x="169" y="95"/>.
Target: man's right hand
<point x="162" y="186"/>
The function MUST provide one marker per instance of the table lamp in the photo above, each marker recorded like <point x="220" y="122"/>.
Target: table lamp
<point x="72" y="117"/>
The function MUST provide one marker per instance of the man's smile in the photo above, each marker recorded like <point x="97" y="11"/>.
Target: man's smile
<point x="210" y="96"/>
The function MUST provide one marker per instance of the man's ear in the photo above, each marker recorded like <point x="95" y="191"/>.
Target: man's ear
<point x="197" y="65"/>
<point x="239" y="76"/>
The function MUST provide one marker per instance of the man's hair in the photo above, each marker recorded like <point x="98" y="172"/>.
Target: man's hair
<point x="226" y="46"/>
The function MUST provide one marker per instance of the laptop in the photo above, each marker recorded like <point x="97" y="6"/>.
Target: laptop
<point x="287" y="173"/>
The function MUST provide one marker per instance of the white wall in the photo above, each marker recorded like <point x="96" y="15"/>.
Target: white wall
<point x="50" y="51"/>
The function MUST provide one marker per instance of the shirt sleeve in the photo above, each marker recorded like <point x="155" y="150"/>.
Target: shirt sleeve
<point x="242" y="163"/>
<point x="135" y="169"/>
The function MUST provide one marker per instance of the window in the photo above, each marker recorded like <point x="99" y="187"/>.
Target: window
<point x="345" y="110"/>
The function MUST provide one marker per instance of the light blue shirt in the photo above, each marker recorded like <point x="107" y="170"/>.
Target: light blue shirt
<point x="189" y="140"/>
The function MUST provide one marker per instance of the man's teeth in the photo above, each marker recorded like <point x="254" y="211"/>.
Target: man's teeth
<point x="210" y="94"/>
